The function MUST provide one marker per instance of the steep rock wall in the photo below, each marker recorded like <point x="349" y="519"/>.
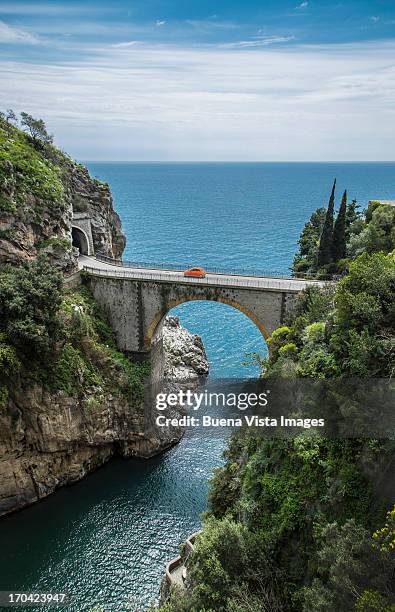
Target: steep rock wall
<point x="53" y="438"/>
<point x="40" y="189"/>
<point x="48" y="440"/>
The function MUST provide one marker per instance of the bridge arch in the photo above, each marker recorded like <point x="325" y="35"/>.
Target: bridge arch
<point x="160" y="315"/>
<point x="80" y="240"/>
<point x="136" y="306"/>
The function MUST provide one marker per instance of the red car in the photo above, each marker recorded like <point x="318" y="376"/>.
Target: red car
<point x="195" y="272"/>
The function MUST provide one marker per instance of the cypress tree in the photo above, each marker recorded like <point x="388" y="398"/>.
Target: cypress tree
<point x="325" y="249"/>
<point x="339" y="232"/>
<point x="352" y="215"/>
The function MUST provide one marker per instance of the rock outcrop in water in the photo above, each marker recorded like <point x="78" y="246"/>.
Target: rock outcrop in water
<point x="185" y="358"/>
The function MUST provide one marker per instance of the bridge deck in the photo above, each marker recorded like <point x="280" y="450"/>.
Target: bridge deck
<point x="263" y="283"/>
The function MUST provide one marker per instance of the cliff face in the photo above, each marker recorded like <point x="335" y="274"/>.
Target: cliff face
<point x="93" y="198"/>
<point x="64" y="415"/>
<point x="40" y="189"/>
<point x="48" y="440"/>
<point x="51" y="439"/>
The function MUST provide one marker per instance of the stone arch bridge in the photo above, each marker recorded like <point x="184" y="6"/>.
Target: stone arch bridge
<point x="137" y="299"/>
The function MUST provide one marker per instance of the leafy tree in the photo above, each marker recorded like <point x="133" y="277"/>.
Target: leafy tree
<point x="231" y="570"/>
<point x="376" y="234"/>
<point x="30" y="297"/>
<point x="352" y="215"/>
<point x="339" y="231"/>
<point x="352" y="573"/>
<point x="10" y="116"/>
<point x="306" y="258"/>
<point x="9" y="362"/>
<point x="325" y="250"/>
<point x="358" y="317"/>
<point x="36" y="128"/>
<point x="281" y="337"/>
<point x="364" y="298"/>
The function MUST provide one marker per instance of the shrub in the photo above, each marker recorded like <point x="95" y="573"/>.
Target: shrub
<point x="34" y="175"/>
<point x="73" y="373"/>
<point x="30" y="297"/>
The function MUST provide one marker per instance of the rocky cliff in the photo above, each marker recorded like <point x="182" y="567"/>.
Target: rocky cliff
<point x="40" y="190"/>
<point x="53" y="438"/>
<point x="69" y="400"/>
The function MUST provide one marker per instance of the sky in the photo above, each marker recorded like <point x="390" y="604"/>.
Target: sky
<point x="205" y="80"/>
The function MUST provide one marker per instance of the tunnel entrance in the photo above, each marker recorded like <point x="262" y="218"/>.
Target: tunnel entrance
<point x="80" y="240"/>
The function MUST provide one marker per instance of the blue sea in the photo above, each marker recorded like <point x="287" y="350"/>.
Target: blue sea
<point x="106" y="540"/>
<point x="231" y="215"/>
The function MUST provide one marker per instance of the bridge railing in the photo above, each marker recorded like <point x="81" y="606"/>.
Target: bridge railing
<point x="282" y="284"/>
<point x="124" y="263"/>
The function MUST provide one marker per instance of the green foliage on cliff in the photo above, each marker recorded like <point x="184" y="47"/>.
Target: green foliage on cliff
<point x="305" y="260"/>
<point x="28" y="178"/>
<point x="354" y="571"/>
<point x="353" y="234"/>
<point x="36" y="128"/>
<point x="30" y="298"/>
<point x="230" y="570"/>
<point x="376" y="233"/>
<point x="88" y="358"/>
<point x="346" y="332"/>
<point x="61" y="340"/>
<point x="301" y="512"/>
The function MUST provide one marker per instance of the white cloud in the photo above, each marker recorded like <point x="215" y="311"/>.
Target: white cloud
<point x="160" y="22"/>
<point x="302" y="5"/>
<point x="125" y="45"/>
<point x="375" y="18"/>
<point x="9" y="34"/>
<point x="258" y="41"/>
<point x="164" y="102"/>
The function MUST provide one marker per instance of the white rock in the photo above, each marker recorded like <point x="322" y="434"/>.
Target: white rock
<point x="185" y="356"/>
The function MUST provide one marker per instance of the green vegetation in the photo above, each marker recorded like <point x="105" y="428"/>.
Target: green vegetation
<point x="375" y="233"/>
<point x="36" y="128"/>
<point x="56" y="242"/>
<point x="339" y="231"/>
<point x="353" y="571"/>
<point x="348" y="331"/>
<point x="61" y="340"/>
<point x="28" y="179"/>
<point x="88" y="358"/>
<point x="30" y="298"/>
<point x="305" y="260"/>
<point x="326" y="247"/>
<point x="298" y="524"/>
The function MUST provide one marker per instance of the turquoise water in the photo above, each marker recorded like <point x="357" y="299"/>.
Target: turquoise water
<point x="106" y="539"/>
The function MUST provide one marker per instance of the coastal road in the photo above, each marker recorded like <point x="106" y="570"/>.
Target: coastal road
<point x="265" y="283"/>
